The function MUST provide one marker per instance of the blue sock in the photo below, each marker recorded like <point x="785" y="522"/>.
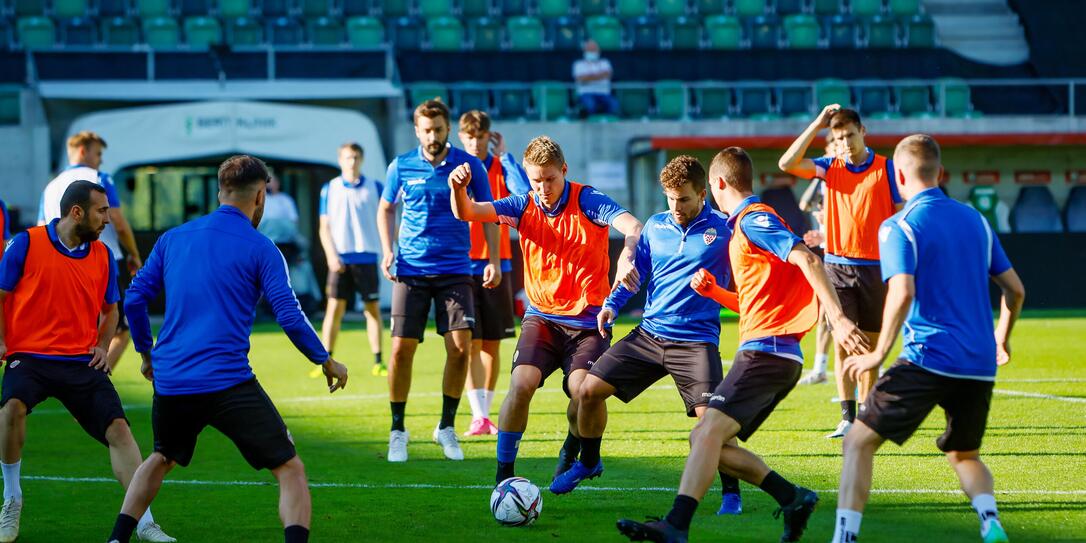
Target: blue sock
<point x="508" y="443"/>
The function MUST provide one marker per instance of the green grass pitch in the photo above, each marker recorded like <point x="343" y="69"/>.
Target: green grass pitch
<point x="1035" y="446"/>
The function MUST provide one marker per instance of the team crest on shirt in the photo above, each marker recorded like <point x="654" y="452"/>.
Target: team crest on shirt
<point x="709" y="236"/>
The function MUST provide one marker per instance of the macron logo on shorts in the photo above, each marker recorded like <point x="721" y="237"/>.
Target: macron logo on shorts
<point x="716" y="398"/>
<point x="516" y="355"/>
<point x="707" y="395"/>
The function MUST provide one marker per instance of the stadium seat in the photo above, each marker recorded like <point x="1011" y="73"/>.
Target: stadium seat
<point x="513" y="7"/>
<point x="79" y="32"/>
<point x="119" y="32"/>
<point x="802" y="31"/>
<point x="795" y="102"/>
<point x="276" y="8"/>
<point x="788" y="7"/>
<point x="485" y="34"/>
<point x="325" y="31"/>
<point x="904" y="8"/>
<point x="189" y="8"/>
<point x="645" y="32"/>
<point x="152" y="8"/>
<point x="709" y="7"/>
<point x="316" y="8"/>
<point x="435" y="8"/>
<point x="631" y="8"/>
<point x="426" y="90"/>
<point x="235" y="8"/>
<point x="670" y="97"/>
<point x="881" y="32"/>
<point x="634" y="103"/>
<point x="551" y="100"/>
<point x="671" y="8"/>
<point x="684" y="33"/>
<point x="394" y="8"/>
<point x="723" y="32"/>
<point x="28" y="8"/>
<point x="113" y="8"/>
<point x="512" y="103"/>
<point x="7" y="35"/>
<point x="873" y="102"/>
<point x="407" y="33"/>
<point x="65" y="9"/>
<point x="1074" y="212"/>
<point x="10" y="108"/>
<point x="953" y="96"/>
<point x="244" y="32"/>
<point x="356" y="8"/>
<point x="565" y="34"/>
<point x="589" y="8"/>
<point x="365" y="32"/>
<point x="985" y="199"/>
<point x="783" y="201"/>
<point x="842" y="32"/>
<point x="285" y="31"/>
<point x="1036" y="211"/>
<point x="920" y="32"/>
<point x="755" y="102"/>
<point x="446" y="33"/>
<point x="764" y="32"/>
<point x="471" y="97"/>
<point x="831" y="91"/>
<point x="555" y="8"/>
<point x="913" y="98"/>
<point x="161" y="32"/>
<point x="749" y="8"/>
<point x="865" y="8"/>
<point x="606" y="30"/>
<point x="202" y="32"/>
<point x="714" y="101"/>
<point x="525" y="33"/>
<point x="475" y="8"/>
<point x="826" y="7"/>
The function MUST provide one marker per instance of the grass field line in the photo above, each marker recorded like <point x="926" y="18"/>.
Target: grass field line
<point x="430" y="486"/>
<point x="1039" y="396"/>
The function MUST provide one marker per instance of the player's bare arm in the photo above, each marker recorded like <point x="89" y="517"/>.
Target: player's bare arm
<point x="1010" y="307"/>
<point x="335" y="264"/>
<point x="127" y="238"/>
<point x="793" y="161"/>
<point x="463" y="207"/>
<point x="386" y="225"/>
<point x="625" y="271"/>
<point x="844" y="331"/>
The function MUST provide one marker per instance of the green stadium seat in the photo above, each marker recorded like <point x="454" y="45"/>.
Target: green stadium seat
<point x="670" y="97"/>
<point x="36" y="32"/>
<point x="551" y="100"/>
<point x="66" y="9"/>
<point x="513" y="103"/>
<point x="426" y="90"/>
<point x="78" y="32"/>
<point x="435" y="8"/>
<point x="395" y="8"/>
<point x="764" y="32"/>
<point x="244" y="32"/>
<point x="471" y="97"/>
<point x="202" y="32"/>
<point x="161" y="32"/>
<point x="485" y="34"/>
<point x="756" y="103"/>
<point x="953" y="95"/>
<point x="193" y="8"/>
<point x="631" y="8"/>
<point x="10" y="107"/>
<point x="684" y="33"/>
<point x="645" y="32"/>
<point x="316" y="8"/>
<point x="235" y="8"/>
<point x="634" y="103"/>
<point x="276" y="8"/>
<point x="749" y="8"/>
<point x="554" y="8"/>
<point x="714" y="101"/>
<point x="446" y="33"/>
<point x="671" y="8"/>
<point x="152" y="8"/>
<point x="905" y="8"/>
<point x="826" y="7"/>
<point x="356" y="8"/>
<point x="723" y="32"/>
<point x="606" y="31"/>
<point x="795" y="102"/>
<point x="709" y="7"/>
<point x="28" y="8"/>
<point x="865" y="8"/>
<point x="525" y="33"/>
<point x="802" y="31"/>
<point x="921" y="32"/>
<point x="113" y="8"/>
<point x="789" y="7"/>
<point x="832" y="91"/>
<point x="594" y="7"/>
<point x="325" y="31"/>
<point x="510" y="8"/>
<point x="564" y="33"/>
<point x="475" y="8"/>
<point x="913" y="98"/>
<point x="881" y="32"/>
<point x="365" y="32"/>
<point x="286" y="31"/>
<point x="842" y="32"/>
<point x="119" y="32"/>
<point x="872" y="101"/>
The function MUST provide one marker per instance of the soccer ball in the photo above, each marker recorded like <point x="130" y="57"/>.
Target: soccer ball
<point x="516" y="502"/>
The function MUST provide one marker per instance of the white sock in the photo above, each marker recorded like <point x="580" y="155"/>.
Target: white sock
<point x="476" y="405"/>
<point x="12" y="490"/>
<point x="146" y="518"/>
<point x="821" y="361"/>
<point x="488" y="401"/>
<point x="848" y="526"/>
<point x="985" y="505"/>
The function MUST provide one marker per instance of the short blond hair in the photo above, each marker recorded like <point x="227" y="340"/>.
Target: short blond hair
<point x="543" y="151"/>
<point x="475" y="122"/>
<point x="85" y="139"/>
<point x="925" y="153"/>
<point x="352" y="145"/>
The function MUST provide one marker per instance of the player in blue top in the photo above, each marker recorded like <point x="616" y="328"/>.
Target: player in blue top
<point x="680" y="331"/>
<point x="213" y="271"/>
<point x="432" y="266"/>
<point x="937" y="258"/>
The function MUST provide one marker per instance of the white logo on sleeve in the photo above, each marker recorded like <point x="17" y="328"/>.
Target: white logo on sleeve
<point x="762" y="220"/>
<point x="884" y="233"/>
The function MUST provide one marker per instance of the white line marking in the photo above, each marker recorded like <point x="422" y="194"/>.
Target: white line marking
<point x="1039" y="396"/>
<point x="426" y="486"/>
<point x="1050" y="380"/>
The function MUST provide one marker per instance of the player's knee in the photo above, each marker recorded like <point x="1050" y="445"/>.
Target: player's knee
<point x="705" y="434"/>
<point x="13" y="410"/>
<point x="118" y="434"/>
<point x="594" y="389"/>
<point x="956" y="457"/>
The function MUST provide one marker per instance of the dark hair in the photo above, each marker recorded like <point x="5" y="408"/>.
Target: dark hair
<point x="241" y="172"/>
<point x="431" y="108"/>
<point x="681" y="170"/>
<point x="845" y="117"/>
<point x="735" y="166"/>
<point x="78" y="194"/>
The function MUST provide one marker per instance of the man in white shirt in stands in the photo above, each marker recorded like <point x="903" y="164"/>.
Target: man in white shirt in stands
<point x="593" y="77"/>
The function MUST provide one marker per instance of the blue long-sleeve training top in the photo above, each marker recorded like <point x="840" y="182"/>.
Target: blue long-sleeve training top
<point x="213" y="271"/>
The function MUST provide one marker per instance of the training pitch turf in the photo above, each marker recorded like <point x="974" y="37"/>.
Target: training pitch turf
<point x="1034" y="446"/>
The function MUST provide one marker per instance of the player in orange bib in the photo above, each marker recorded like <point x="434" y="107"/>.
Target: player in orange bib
<point x="860" y="193"/>
<point x="779" y="283"/>
<point x="564" y="237"/>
